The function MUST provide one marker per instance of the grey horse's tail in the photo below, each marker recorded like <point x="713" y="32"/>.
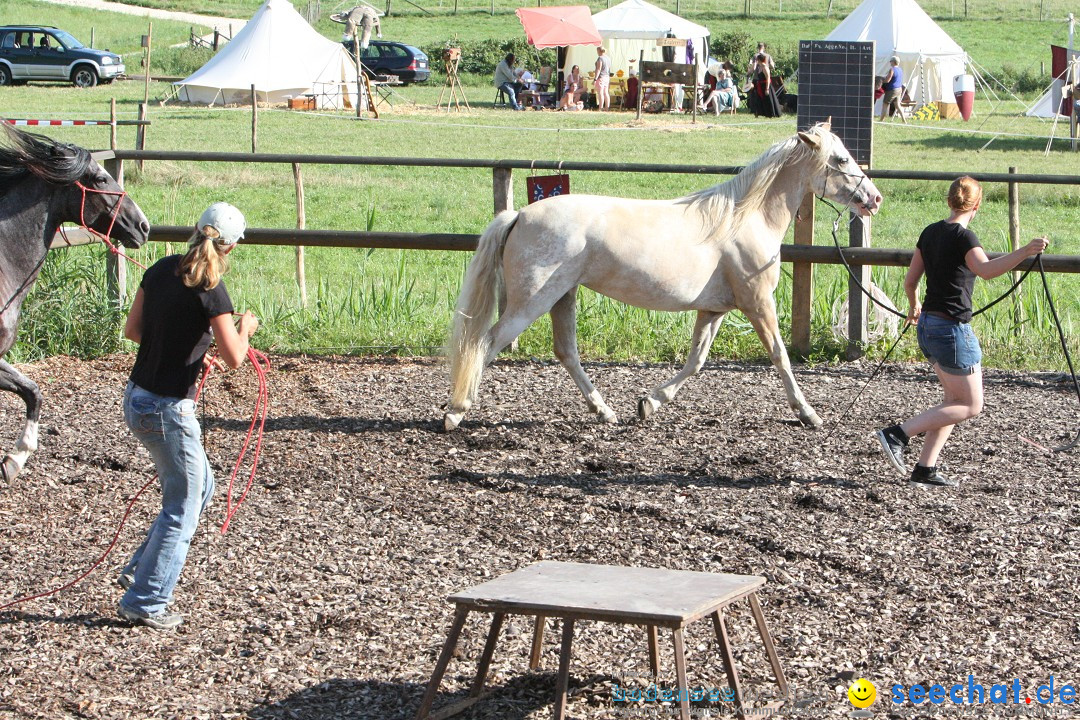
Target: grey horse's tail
<point x="469" y="343"/>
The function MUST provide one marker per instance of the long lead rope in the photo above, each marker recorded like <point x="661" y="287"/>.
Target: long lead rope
<point x="1035" y="261"/>
<point x="261" y="364"/>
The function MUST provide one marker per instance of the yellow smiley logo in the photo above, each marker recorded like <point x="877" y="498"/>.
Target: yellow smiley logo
<point x="862" y="693"/>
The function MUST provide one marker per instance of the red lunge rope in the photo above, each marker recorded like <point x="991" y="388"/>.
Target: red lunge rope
<point x="261" y="363"/>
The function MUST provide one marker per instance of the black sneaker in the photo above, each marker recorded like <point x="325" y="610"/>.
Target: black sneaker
<point x="930" y="479"/>
<point x="164" y="620"/>
<point x="893" y="444"/>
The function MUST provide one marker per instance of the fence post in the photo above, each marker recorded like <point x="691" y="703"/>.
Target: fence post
<point x="503" y="189"/>
<point x="254" y="119"/>
<point x="858" y="236"/>
<point x="301" y="220"/>
<point x="115" y="267"/>
<point x="802" y="281"/>
<point x="140" y="133"/>
<point x="112" y="123"/>
<point x="1014" y="240"/>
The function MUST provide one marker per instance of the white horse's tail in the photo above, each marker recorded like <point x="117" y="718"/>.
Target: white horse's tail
<point x="469" y="343"/>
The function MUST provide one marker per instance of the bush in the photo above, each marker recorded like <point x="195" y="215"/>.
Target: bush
<point x="68" y="311"/>
<point x="736" y="47"/>
<point x="176" y="62"/>
<point x="479" y="57"/>
<point x="1028" y="80"/>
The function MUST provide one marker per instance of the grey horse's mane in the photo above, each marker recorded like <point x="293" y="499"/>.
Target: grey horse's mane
<point x="52" y="161"/>
<point x="732" y="201"/>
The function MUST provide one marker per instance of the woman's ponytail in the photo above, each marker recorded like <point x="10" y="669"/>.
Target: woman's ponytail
<point x="203" y="265"/>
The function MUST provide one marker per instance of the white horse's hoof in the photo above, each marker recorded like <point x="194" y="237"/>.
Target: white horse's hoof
<point x="10" y="468"/>
<point x="452" y="420"/>
<point x="810" y="419"/>
<point x="607" y="416"/>
<point x="646" y="406"/>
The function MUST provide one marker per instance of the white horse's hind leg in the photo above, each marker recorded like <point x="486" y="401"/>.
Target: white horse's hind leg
<point x="505" y="330"/>
<point x="564" y="333"/>
<point x="705" y="329"/>
<point x="764" y="322"/>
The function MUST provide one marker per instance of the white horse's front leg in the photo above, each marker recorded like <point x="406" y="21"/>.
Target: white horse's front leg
<point x="705" y="329"/>
<point x="564" y="336"/>
<point x="764" y="321"/>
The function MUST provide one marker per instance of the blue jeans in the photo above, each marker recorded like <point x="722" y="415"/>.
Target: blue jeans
<point x="168" y="429"/>
<point x="511" y="94"/>
<point x="949" y="344"/>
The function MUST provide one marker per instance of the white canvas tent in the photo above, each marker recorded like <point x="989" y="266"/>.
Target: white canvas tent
<point x="929" y="58"/>
<point x="633" y="26"/>
<point x="282" y="56"/>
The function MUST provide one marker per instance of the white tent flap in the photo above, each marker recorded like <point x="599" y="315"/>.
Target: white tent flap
<point x="282" y="56"/>
<point x="633" y="26"/>
<point x="929" y="58"/>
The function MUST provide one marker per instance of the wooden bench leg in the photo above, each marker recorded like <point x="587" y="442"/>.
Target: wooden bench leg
<point x="654" y="652"/>
<point x="563" y="682"/>
<point x="538" y="642"/>
<point x="770" y="649"/>
<point x="489" y="650"/>
<point x="444" y="660"/>
<point x="680" y="675"/>
<point x="729" y="661"/>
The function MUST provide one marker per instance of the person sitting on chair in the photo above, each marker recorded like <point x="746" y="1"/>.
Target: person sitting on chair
<point x="506" y="79"/>
<point x="573" y="90"/>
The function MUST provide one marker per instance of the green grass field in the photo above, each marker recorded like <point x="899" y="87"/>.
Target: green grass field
<point x="364" y="301"/>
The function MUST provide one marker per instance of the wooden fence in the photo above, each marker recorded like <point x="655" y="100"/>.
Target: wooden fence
<point x="803" y="254"/>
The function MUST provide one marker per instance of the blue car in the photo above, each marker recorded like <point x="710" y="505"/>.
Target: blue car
<point x="385" y="57"/>
<point x="42" y="52"/>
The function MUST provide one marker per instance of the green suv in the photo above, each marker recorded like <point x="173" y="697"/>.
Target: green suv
<point x="39" y="52"/>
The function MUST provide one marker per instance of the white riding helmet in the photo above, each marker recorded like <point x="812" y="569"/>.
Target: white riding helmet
<point x="226" y="219"/>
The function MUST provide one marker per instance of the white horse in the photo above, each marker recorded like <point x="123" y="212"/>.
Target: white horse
<point x="712" y="251"/>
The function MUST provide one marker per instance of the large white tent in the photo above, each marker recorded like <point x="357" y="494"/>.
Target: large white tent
<point x="282" y="56"/>
<point x="633" y="26"/>
<point x="929" y="58"/>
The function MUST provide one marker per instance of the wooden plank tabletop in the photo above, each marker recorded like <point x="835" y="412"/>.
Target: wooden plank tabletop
<point x="607" y="592"/>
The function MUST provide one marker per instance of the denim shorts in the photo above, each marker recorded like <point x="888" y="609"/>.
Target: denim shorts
<point x="949" y="344"/>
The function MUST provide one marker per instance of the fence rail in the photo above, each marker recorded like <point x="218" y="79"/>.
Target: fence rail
<point x="803" y="254"/>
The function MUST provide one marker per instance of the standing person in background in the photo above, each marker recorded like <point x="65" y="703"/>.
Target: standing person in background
<point x="181" y="299"/>
<point x="950" y="256"/>
<point x="894" y="88"/>
<point x="603" y="79"/>
<point x="751" y="67"/>
<point x="762" y="99"/>
<point x="507" y="80"/>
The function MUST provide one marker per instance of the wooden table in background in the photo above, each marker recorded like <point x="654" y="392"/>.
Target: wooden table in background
<point x="634" y="596"/>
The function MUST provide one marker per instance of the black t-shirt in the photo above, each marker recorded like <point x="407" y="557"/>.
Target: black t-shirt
<point x="949" y="281"/>
<point x="175" y="330"/>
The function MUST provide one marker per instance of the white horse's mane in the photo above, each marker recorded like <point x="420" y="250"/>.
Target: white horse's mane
<point x="735" y="199"/>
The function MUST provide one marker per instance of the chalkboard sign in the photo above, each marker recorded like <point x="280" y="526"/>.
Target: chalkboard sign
<point x="670" y="73"/>
<point x="836" y="78"/>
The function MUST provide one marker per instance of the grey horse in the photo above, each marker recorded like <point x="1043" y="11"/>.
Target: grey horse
<point x="44" y="183"/>
<point x="363" y="16"/>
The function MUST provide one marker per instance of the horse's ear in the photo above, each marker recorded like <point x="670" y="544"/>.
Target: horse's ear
<point x="812" y="140"/>
<point x="827" y="125"/>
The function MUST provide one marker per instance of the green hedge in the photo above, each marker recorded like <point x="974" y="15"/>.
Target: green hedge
<point x="480" y="57"/>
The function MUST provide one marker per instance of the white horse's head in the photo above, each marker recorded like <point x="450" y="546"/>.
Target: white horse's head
<point x="841" y="179"/>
